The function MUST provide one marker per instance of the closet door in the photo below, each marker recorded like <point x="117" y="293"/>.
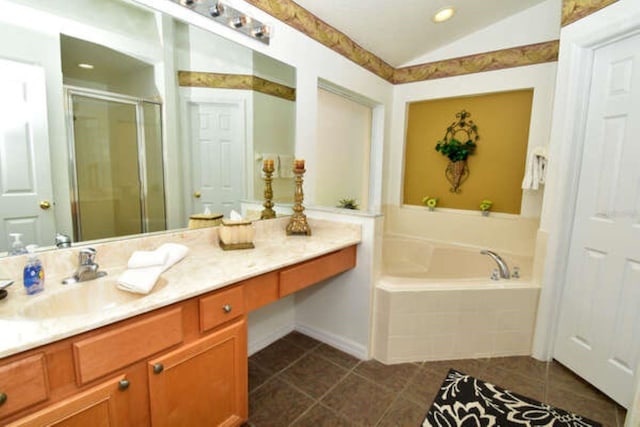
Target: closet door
<point x="26" y="204"/>
<point x="599" y="328"/>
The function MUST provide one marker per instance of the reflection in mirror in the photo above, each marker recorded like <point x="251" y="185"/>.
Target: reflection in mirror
<point x="167" y="140"/>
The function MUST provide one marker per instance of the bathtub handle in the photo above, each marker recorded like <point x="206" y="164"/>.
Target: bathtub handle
<point x="495" y="275"/>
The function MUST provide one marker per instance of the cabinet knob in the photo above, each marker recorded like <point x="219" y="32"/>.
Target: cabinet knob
<point x="227" y="308"/>
<point x="157" y="368"/>
<point x="123" y="384"/>
<point x="3" y="398"/>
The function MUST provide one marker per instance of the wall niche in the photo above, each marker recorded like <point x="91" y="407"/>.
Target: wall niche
<point x="496" y="168"/>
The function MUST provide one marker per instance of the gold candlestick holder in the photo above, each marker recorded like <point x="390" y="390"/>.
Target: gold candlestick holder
<point x="298" y="223"/>
<point x="268" y="212"/>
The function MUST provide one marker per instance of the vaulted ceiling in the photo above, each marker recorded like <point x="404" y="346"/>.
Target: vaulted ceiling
<point x="399" y="31"/>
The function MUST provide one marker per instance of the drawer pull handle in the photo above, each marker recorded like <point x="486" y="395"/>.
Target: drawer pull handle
<point x="157" y="368"/>
<point x="227" y="308"/>
<point x="3" y="398"/>
<point x="123" y="385"/>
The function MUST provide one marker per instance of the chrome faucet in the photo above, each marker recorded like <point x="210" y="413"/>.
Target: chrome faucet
<point x="63" y="241"/>
<point x="502" y="265"/>
<point x="87" y="268"/>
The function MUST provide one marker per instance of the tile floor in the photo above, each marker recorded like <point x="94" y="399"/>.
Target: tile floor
<point x="298" y="381"/>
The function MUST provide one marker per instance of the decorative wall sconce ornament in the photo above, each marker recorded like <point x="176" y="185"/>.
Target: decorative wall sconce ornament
<point x="226" y="15"/>
<point x="456" y="151"/>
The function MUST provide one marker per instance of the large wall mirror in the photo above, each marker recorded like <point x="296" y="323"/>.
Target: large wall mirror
<point x="118" y="120"/>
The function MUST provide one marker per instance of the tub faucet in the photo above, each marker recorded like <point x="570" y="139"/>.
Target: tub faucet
<point x="502" y="265"/>
<point x="87" y="268"/>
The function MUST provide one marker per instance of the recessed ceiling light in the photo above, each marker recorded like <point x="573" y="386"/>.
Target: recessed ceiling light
<point x="86" y="66"/>
<point x="443" y="14"/>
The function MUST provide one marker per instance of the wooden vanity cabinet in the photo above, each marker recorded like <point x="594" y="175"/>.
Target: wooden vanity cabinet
<point x="181" y="365"/>
<point x="203" y="383"/>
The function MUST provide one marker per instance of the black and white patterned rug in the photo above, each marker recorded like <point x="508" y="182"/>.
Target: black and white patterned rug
<point x="466" y="401"/>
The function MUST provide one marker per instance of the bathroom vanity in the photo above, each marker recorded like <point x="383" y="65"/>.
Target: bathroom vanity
<point x="181" y="363"/>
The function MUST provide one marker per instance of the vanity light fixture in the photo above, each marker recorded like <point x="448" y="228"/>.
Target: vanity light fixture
<point x="216" y="10"/>
<point x="188" y="3"/>
<point x="443" y="14"/>
<point x="227" y="15"/>
<point x="86" y="66"/>
<point x="239" y="21"/>
<point x="260" y="31"/>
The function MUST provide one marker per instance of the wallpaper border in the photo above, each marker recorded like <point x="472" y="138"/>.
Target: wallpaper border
<point x="235" y="81"/>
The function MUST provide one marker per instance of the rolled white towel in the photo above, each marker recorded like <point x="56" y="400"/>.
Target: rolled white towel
<point x="139" y="280"/>
<point x="142" y="279"/>
<point x="142" y="259"/>
<point x="173" y="252"/>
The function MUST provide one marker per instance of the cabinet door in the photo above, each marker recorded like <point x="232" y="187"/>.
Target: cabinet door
<point x="104" y="405"/>
<point x="202" y="383"/>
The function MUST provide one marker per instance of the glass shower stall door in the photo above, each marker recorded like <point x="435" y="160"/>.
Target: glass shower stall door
<point x="118" y="182"/>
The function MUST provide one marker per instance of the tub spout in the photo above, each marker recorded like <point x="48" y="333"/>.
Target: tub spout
<point x="502" y="265"/>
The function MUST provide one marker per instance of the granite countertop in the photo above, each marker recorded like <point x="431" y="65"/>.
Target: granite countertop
<point x="26" y="323"/>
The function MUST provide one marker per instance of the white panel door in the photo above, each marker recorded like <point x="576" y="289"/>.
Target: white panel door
<point x="599" y="327"/>
<point x="25" y="176"/>
<point x="218" y="150"/>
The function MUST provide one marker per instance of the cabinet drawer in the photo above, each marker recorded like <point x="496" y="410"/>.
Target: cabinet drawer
<point x="23" y="383"/>
<point x="104" y="353"/>
<point x="261" y="290"/>
<point x="308" y="273"/>
<point x="220" y="307"/>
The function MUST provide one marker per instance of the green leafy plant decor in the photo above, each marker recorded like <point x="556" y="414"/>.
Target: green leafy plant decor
<point x="457" y="151"/>
<point x="430" y="202"/>
<point x="348" y="204"/>
<point x="485" y="207"/>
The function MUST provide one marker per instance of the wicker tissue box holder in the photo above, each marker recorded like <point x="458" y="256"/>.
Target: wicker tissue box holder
<point x="236" y="234"/>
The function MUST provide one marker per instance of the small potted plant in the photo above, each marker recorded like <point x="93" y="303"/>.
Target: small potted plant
<point x="485" y="207"/>
<point x="430" y="202"/>
<point x="348" y="204"/>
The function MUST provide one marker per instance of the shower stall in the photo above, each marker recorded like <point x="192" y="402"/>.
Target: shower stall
<point x="116" y="164"/>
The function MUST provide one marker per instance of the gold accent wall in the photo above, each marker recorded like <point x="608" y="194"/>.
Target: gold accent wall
<point x="498" y="164"/>
<point x="235" y="81"/>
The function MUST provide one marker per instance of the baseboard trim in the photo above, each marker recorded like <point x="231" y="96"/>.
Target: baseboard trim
<point x="348" y="346"/>
<point x="258" y="344"/>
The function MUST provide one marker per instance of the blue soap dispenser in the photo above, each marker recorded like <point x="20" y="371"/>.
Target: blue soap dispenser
<point x="33" y="272"/>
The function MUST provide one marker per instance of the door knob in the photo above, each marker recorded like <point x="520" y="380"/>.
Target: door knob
<point x="197" y="194"/>
<point x="45" y="204"/>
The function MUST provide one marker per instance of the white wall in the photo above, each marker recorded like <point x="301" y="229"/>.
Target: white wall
<point x="273" y="132"/>
<point x="343" y="151"/>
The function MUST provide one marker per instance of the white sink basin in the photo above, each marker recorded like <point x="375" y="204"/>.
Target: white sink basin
<point x="79" y="299"/>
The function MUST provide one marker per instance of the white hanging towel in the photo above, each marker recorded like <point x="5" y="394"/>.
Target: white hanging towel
<point x="276" y="163"/>
<point x="286" y="166"/>
<point x="535" y="169"/>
